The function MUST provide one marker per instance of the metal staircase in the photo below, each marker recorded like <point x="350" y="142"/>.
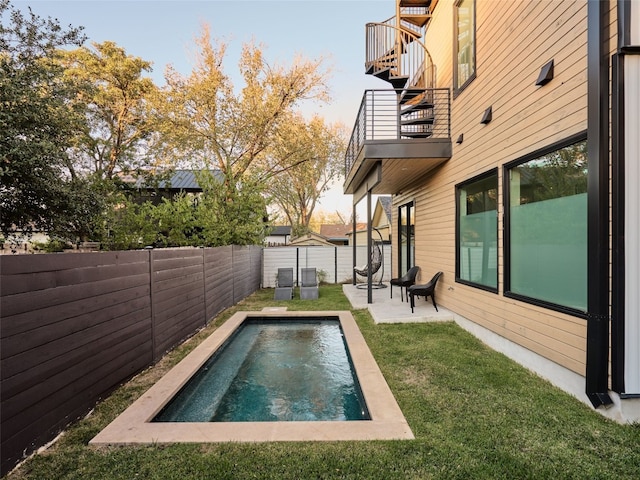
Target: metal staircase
<point x="396" y="54"/>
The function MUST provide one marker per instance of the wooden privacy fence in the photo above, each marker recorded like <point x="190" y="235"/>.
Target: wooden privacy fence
<point x="75" y="326"/>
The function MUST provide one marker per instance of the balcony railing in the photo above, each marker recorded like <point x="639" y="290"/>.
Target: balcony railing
<point x="400" y="115"/>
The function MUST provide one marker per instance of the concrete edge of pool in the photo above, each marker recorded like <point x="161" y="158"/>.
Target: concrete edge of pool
<point x="134" y="425"/>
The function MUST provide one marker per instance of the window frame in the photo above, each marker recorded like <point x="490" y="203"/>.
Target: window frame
<point x="458" y="187"/>
<point x="410" y="206"/>
<point x="457" y="89"/>
<point x="506" y="247"/>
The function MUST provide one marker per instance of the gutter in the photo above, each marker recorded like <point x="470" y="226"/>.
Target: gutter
<point x="597" y="361"/>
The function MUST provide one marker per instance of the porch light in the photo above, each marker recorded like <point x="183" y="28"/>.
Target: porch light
<point x="487" y="116"/>
<point x="460" y="139"/>
<point x="546" y="74"/>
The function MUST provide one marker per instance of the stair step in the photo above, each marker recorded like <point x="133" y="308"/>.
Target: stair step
<point x="398" y="81"/>
<point x="410" y="94"/>
<point x="419" y="20"/>
<point x="415" y="3"/>
<point x="417" y="121"/>
<point x="384" y="73"/>
<point x="416" y="134"/>
<point x="416" y="107"/>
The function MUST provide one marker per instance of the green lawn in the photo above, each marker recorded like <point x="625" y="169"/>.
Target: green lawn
<point x="475" y="415"/>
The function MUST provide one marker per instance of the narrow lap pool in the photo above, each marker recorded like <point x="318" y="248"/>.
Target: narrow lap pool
<point x="273" y="370"/>
<point x="324" y="408"/>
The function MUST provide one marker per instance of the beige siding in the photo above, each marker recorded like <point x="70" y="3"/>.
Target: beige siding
<point x="513" y="41"/>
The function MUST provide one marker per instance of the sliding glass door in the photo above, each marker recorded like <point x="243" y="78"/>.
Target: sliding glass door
<point x="406" y="236"/>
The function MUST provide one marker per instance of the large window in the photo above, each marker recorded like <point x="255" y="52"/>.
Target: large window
<point x="477" y="232"/>
<point x="464" y="62"/>
<point x="406" y="245"/>
<point x="546" y="226"/>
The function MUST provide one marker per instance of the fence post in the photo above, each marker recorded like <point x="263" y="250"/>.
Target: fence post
<point x="204" y="286"/>
<point x="152" y="304"/>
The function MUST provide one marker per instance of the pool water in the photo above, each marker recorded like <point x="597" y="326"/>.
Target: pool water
<point x="274" y="370"/>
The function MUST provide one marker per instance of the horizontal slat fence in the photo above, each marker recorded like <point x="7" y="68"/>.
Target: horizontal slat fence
<point x="75" y="326"/>
<point x="335" y="263"/>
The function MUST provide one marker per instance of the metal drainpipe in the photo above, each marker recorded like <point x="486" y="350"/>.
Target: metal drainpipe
<point x="597" y="361"/>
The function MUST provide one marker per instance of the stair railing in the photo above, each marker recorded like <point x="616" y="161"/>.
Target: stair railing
<point x="378" y="120"/>
<point x="398" y="49"/>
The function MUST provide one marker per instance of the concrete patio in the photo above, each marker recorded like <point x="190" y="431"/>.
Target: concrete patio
<point x="393" y="310"/>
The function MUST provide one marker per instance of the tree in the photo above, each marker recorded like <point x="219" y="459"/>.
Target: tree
<point x="113" y="93"/>
<point x="202" y="118"/>
<point x="37" y="127"/>
<point x="307" y="158"/>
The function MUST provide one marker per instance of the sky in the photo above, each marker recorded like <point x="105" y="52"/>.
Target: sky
<point x="163" y="32"/>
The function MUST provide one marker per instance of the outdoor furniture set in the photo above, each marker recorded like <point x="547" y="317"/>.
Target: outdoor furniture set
<point x="308" y="284"/>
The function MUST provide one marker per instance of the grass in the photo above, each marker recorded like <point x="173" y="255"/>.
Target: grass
<point x="475" y="415"/>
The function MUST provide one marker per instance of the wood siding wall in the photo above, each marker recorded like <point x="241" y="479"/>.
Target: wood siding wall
<point x="75" y="326"/>
<point x="513" y="41"/>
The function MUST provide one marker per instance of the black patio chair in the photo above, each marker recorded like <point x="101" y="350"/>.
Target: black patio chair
<point x="424" y="290"/>
<point x="405" y="281"/>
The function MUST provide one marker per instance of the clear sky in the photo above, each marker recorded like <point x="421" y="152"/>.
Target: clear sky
<point x="162" y="31"/>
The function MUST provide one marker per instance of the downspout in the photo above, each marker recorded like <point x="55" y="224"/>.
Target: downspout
<point x="369" y="249"/>
<point x="597" y="361"/>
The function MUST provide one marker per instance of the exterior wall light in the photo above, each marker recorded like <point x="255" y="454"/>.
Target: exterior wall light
<point x="546" y="74"/>
<point x="487" y="116"/>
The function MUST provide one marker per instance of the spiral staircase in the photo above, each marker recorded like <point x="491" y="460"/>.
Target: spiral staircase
<point x="396" y="54"/>
<point x="404" y="131"/>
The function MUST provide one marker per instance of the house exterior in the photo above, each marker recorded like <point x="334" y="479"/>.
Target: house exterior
<point x="168" y="185"/>
<point x="380" y="222"/>
<point x="506" y="134"/>
<point x="279" y="235"/>
<point x="311" y="239"/>
<point x="336" y="234"/>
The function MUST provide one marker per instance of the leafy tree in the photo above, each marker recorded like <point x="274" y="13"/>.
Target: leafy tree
<point x="231" y="216"/>
<point x="37" y="127"/>
<point x="307" y="159"/>
<point x="113" y="93"/>
<point x="204" y="119"/>
<point x="128" y="225"/>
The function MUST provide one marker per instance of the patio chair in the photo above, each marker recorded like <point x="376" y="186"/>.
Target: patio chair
<point x="309" y="284"/>
<point x="424" y="290"/>
<point x="284" y="284"/>
<point x="405" y="281"/>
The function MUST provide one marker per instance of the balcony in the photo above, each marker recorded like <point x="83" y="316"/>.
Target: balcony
<point x="399" y="136"/>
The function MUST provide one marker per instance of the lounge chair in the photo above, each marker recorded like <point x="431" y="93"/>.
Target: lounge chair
<point x="425" y="290"/>
<point x="284" y="284"/>
<point x="309" y="284"/>
<point x="405" y="281"/>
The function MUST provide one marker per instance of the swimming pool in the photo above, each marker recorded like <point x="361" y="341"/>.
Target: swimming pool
<point x="386" y="421"/>
<point x="270" y="370"/>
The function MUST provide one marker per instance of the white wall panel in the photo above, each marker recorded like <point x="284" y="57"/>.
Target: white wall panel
<point x="632" y="216"/>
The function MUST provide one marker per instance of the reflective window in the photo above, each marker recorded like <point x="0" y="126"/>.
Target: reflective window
<point x="477" y="232"/>
<point x="547" y="227"/>
<point x="464" y="44"/>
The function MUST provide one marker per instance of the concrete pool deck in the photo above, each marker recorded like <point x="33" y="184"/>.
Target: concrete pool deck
<point x="393" y="310"/>
<point x="134" y="425"/>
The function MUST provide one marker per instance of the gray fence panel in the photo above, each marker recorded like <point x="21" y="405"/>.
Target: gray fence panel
<point x="178" y="296"/>
<point x="69" y="321"/>
<point x="336" y="262"/>
<point x="218" y="279"/>
<point x="75" y="326"/>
